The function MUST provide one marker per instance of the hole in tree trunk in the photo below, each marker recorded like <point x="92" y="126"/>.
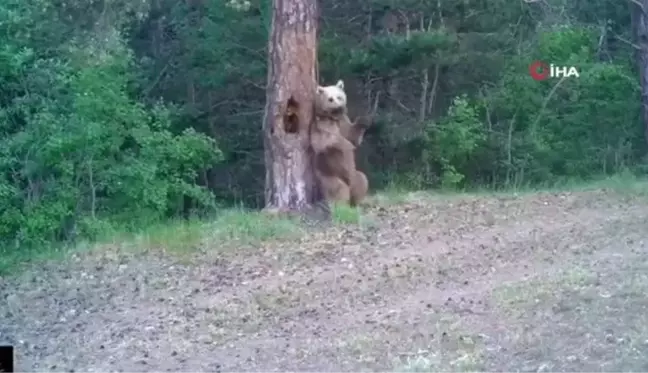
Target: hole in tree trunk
<point x="291" y="117"/>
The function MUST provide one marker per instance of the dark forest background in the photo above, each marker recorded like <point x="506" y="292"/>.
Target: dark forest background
<point x="126" y="113"/>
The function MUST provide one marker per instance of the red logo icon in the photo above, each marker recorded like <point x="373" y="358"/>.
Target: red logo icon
<point x="539" y="70"/>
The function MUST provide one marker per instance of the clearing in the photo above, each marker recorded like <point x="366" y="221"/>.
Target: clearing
<point x="552" y="281"/>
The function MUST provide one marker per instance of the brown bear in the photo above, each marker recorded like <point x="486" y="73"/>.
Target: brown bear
<point x="334" y="139"/>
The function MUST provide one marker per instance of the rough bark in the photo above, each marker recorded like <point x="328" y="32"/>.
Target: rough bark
<point x="292" y="57"/>
<point x="640" y="30"/>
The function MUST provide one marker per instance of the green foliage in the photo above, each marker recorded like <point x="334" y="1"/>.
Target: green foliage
<point x="210" y="61"/>
<point x="518" y="131"/>
<point x="76" y="149"/>
<point x="110" y="111"/>
<point x="451" y="143"/>
<point x="344" y="214"/>
<point x="573" y="128"/>
<point x="386" y="54"/>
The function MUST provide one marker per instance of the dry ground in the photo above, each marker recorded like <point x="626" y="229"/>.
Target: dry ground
<point x="542" y="282"/>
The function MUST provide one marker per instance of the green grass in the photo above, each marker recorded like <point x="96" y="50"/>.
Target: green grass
<point x="343" y="214"/>
<point x="623" y="182"/>
<point x="236" y="226"/>
<point x="430" y="363"/>
<point x="13" y="260"/>
<point x="252" y="226"/>
<point x="239" y="226"/>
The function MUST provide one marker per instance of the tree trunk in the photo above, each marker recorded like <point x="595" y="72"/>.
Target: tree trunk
<point x="292" y="58"/>
<point x="640" y="30"/>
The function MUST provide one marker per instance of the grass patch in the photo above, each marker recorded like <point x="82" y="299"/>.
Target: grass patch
<point x="236" y="226"/>
<point x="398" y="196"/>
<point x="180" y="237"/>
<point x="253" y="226"/>
<point x="391" y="197"/>
<point x="344" y="214"/>
<point x="416" y="364"/>
<point x="623" y="182"/>
<point x="13" y="261"/>
<point x="429" y="362"/>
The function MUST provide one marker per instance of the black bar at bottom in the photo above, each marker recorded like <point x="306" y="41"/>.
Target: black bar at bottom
<point x="7" y="359"/>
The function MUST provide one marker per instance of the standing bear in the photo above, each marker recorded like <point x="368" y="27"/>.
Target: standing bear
<point x="334" y="139"/>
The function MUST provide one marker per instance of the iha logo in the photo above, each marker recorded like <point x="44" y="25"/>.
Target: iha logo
<point x="542" y="71"/>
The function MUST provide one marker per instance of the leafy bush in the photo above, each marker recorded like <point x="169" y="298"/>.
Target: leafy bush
<point x="521" y="131"/>
<point x="77" y="149"/>
<point x="452" y="142"/>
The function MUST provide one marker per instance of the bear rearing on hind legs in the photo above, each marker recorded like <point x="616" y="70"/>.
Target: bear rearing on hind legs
<point x="334" y="139"/>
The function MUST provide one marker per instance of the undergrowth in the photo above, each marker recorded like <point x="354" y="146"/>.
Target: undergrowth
<point x="238" y="227"/>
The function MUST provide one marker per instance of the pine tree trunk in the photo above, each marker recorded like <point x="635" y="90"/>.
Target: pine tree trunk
<point x="292" y="56"/>
<point x="640" y="30"/>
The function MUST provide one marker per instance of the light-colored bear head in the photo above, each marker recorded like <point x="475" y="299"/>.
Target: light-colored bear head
<point x="331" y="100"/>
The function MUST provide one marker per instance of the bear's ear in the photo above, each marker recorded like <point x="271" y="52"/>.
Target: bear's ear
<point x="320" y="90"/>
<point x="340" y="84"/>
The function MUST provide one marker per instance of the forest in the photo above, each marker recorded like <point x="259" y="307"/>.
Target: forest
<point x="118" y="114"/>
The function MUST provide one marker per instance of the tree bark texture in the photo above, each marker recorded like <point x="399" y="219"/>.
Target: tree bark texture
<point x="640" y="26"/>
<point x="292" y="59"/>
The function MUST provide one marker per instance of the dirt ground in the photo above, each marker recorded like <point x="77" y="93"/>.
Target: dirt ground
<point x="541" y="282"/>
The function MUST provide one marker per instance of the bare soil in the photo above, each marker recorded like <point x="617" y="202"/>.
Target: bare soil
<point x="542" y="282"/>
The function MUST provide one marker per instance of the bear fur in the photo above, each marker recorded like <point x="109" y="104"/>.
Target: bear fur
<point x="334" y="139"/>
